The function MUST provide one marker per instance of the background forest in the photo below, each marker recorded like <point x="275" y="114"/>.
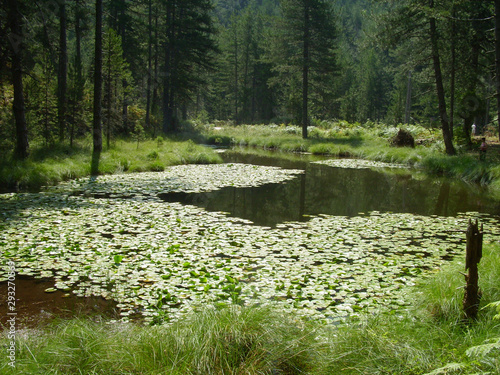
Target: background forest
<point x="167" y="61"/>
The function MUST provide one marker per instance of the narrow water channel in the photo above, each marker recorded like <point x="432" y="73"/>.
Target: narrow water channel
<point x="338" y="192"/>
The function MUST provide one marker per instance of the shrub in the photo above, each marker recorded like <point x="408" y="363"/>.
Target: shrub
<point x="153" y="155"/>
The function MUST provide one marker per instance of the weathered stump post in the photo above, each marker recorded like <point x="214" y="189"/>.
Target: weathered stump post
<point x="474" y="252"/>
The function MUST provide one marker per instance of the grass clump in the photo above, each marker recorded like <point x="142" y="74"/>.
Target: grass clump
<point x="431" y="337"/>
<point x="228" y="341"/>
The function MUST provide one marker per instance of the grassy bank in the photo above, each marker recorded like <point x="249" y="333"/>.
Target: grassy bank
<point x="368" y="141"/>
<point x="48" y="165"/>
<point x="428" y="338"/>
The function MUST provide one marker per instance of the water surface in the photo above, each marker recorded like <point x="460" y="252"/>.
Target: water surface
<point x="338" y="192"/>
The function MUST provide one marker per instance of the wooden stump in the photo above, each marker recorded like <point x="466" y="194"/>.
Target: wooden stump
<point x="474" y="252"/>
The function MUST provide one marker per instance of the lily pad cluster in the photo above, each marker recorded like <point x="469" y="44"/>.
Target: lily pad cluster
<point x="358" y="164"/>
<point x="160" y="259"/>
<point x="181" y="178"/>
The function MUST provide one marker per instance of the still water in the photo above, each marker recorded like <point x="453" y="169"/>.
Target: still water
<point x="337" y="191"/>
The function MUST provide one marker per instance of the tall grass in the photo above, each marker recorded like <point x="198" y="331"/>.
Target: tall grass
<point x="229" y="341"/>
<point x="431" y="335"/>
<point x="48" y="165"/>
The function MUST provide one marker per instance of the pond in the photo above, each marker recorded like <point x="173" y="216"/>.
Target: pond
<point x="326" y="242"/>
<point x="341" y="191"/>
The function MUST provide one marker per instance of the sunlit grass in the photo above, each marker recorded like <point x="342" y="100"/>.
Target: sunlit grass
<point x="430" y="335"/>
<point x="228" y="341"/>
<point x="48" y="165"/>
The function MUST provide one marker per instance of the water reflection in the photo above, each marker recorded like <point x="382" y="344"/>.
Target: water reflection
<point x="339" y="192"/>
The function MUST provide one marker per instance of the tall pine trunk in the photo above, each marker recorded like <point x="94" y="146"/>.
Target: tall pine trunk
<point x="78" y="98"/>
<point x="450" y="150"/>
<point x="150" y="71"/>
<point x="108" y="92"/>
<point x="305" y="72"/>
<point x="97" y="123"/>
<point x="155" y="100"/>
<point x="453" y="71"/>
<point x="497" y="58"/>
<point x="16" y="24"/>
<point x="62" y="71"/>
<point x="236" y="88"/>
<point x="168" y="109"/>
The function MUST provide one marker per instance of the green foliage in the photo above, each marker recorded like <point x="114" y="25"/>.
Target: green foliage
<point x="138" y="133"/>
<point x="49" y="165"/>
<point x="41" y="97"/>
<point x="6" y="117"/>
<point x="160" y="141"/>
<point x="253" y="340"/>
<point x="495" y="305"/>
<point x="153" y="155"/>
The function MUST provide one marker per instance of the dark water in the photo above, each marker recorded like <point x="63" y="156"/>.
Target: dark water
<point x="338" y="191"/>
<point x="34" y="306"/>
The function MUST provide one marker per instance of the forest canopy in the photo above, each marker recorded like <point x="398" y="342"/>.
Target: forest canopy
<point x="163" y="62"/>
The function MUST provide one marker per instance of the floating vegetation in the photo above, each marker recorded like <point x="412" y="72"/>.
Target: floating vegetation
<point x="158" y="259"/>
<point x="181" y="178"/>
<point x="358" y="164"/>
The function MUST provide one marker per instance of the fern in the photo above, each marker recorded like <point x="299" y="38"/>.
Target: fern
<point x="486" y="354"/>
<point x="483" y="350"/>
<point x="450" y="368"/>
<point x="495" y="305"/>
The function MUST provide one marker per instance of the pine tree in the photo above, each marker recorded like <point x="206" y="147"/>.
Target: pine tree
<point x="187" y="50"/>
<point x="417" y="21"/>
<point x="17" y="47"/>
<point x="115" y="72"/>
<point x="62" y="72"/>
<point x="97" y="121"/>
<point x="308" y="36"/>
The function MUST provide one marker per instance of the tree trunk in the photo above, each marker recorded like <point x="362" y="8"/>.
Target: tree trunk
<point x="305" y="73"/>
<point x="79" y="69"/>
<point x="167" y="87"/>
<point x="453" y="72"/>
<point x="62" y="71"/>
<point x="408" y="100"/>
<point x="236" y="89"/>
<point x="150" y="72"/>
<point x="123" y="34"/>
<point x="97" y="123"/>
<point x="108" y="93"/>
<point x="16" y="23"/>
<point x="472" y="102"/>
<point x="450" y="149"/>
<point x="497" y="58"/>
<point x="474" y="252"/>
<point x="155" y="95"/>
